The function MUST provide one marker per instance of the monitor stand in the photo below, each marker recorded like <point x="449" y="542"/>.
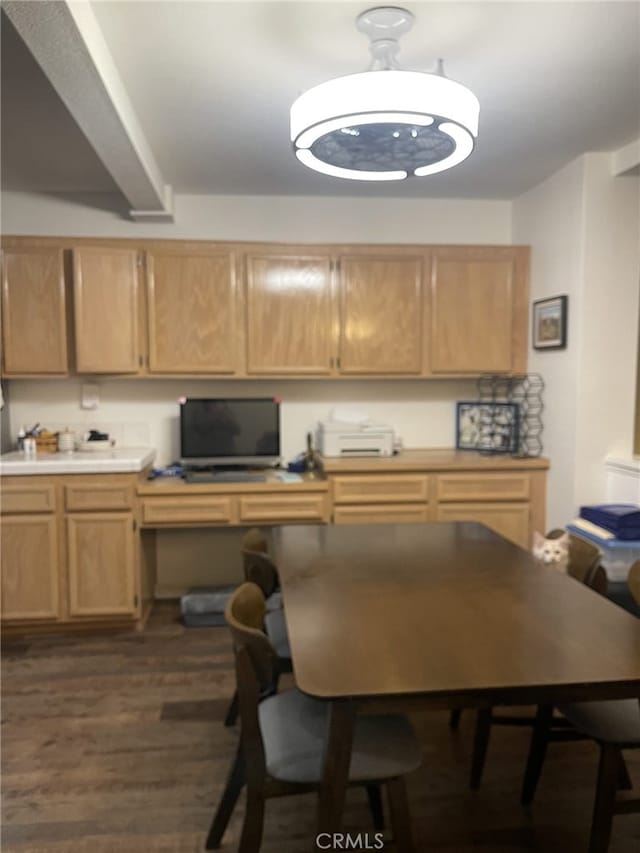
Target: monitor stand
<point x="222" y="474"/>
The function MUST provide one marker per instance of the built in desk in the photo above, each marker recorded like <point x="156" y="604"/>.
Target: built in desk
<point x="172" y="502"/>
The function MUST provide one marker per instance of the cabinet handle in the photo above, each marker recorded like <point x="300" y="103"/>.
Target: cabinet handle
<point x="331" y="362"/>
<point x="134" y="524"/>
<point x="140" y="361"/>
<point x="338" y="365"/>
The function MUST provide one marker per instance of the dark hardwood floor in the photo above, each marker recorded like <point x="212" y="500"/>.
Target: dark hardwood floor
<point x="115" y="743"/>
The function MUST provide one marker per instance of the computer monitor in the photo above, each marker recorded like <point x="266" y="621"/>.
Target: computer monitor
<point x="229" y="432"/>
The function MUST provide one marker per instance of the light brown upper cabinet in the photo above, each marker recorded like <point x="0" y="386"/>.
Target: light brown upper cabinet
<point x="34" y="312"/>
<point x="479" y="310"/>
<point x="381" y="313"/>
<point x="238" y="310"/>
<point x="191" y="301"/>
<point x="106" y="310"/>
<point x="289" y="314"/>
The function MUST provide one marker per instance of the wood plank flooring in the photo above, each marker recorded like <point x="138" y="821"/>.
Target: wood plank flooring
<point x="115" y="743"/>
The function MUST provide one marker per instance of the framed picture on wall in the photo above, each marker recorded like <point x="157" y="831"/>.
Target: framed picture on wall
<point x="489" y="427"/>
<point x="550" y="323"/>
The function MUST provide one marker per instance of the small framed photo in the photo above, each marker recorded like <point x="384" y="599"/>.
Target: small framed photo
<point x="489" y="427"/>
<point x="550" y="323"/>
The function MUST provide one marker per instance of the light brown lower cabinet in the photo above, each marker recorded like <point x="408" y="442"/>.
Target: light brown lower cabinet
<point x="73" y="554"/>
<point x="30" y="568"/>
<point x="508" y="498"/>
<point x="511" y="520"/>
<point x="101" y="558"/>
<point x="70" y="551"/>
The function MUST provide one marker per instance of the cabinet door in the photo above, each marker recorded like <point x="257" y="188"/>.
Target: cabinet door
<point x="29" y="568"/>
<point x="192" y="312"/>
<point x="479" y="310"/>
<point x="381" y="314"/>
<point x="289" y="315"/>
<point x="511" y="520"/>
<point x="101" y="562"/>
<point x="105" y="287"/>
<point x="34" y="312"/>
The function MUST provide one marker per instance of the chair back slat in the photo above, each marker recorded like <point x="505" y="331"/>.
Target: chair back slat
<point x="254" y="540"/>
<point x="260" y="569"/>
<point x="250" y="733"/>
<point x="633" y="581"/>
<point x="596" y="579"/>
<point x="254" y="656"/>
<point x="244" y="614"/>
<point x="584" y="559"/>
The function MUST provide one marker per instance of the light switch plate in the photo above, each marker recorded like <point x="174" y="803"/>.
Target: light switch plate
<point x="90" y="396"/>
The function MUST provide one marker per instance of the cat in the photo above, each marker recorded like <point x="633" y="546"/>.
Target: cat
<point x="552" y="552"/>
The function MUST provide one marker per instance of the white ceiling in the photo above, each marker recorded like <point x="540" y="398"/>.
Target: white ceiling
<point x="211" y="84"/>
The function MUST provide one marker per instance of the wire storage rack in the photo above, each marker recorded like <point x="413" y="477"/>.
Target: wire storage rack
<point x="524" y="390"/>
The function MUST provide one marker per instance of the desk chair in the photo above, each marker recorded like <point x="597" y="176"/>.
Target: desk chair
<point x="260" y="569"/>
<point x="282" y="739"/>
<point x="584" y="566"/>
<point x="614" y="726"/>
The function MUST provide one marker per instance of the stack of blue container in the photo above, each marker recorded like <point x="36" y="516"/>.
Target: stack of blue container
<point x="615" y="529"/>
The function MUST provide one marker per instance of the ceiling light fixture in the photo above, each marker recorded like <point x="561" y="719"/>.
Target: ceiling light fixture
<point x="386" y="123"/>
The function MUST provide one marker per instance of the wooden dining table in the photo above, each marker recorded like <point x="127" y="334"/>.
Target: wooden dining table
<point x="439" y="615"/>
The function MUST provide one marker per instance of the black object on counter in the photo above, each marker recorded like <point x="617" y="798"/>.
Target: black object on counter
<point x="95" y="435"/>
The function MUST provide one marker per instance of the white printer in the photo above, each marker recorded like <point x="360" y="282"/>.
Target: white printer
<point x="343" y="438"/>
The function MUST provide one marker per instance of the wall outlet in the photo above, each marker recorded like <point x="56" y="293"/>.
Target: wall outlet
<point x="89" y="397"/>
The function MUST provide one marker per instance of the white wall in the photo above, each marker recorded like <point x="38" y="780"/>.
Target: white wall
<point x="583" y="226"/>
<point x="610" y="310"/>
<point x="144" y="412"/>
<point x="549" y="218"/>
<point x="281" y="218"/>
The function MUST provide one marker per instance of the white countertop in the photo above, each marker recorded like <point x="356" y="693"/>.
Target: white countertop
<point x="119" y="460"/>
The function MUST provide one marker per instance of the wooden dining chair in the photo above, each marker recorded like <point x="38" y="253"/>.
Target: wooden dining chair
<point x="283" y="738"/>
<point x="615" y="726"/>
<point x="260" y="569"/>
<point x="633" y="581"/>
<point x="584" y="566"/>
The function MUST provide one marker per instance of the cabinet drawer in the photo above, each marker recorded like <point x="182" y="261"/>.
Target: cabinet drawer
<point x="28" y="498"/>
<point x="483" y="487"/>
<point x="186" y="510"/>
<point x="381" y="514"/>
<point x="277" y="508"/>
<point x="510" y="520"/>
<point x="100" y="496"/>
<point x="374" y="488"/>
